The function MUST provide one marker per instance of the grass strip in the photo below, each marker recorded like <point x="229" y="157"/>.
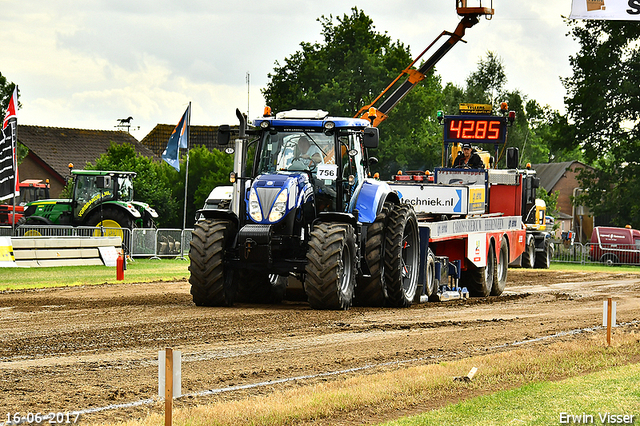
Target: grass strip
<point x="139" y="271"/>
<point x="423" y="388"/>
<point x="606" y="397"/>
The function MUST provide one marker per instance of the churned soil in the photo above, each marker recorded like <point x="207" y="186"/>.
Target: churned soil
<point x="96" y="347"/>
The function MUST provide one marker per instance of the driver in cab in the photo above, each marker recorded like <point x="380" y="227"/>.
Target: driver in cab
<point x="308" y="153"/>
<point x="468" y="159"/>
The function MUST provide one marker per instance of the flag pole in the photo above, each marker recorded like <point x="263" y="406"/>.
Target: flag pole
<point x="14" y="161"/>
<point x="186" y="182"/>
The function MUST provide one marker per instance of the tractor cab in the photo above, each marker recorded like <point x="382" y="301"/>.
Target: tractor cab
<point x="93" y="188"/>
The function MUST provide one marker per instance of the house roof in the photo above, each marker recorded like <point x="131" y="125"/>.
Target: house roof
<point x="157" y="138"/>
<point x="57" y="146"/>
<point x="550" y="173"/>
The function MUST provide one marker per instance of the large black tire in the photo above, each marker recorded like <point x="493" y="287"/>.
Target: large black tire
<point x="479" y="281"/>
<point x="211" y="285"/>
<point x="401" y="261"/>
<point x="529" y="254"/>
<point x="110" y="217"/>
<point x="372" y="291"/>
<point x="502" y="268"/>
<point x="330" y="271"/>
<point x="431" y="284"/>
<point x="257" y="287"/>
<point x="543" y="258"/>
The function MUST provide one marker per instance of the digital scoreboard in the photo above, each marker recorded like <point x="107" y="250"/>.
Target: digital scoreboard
<point x="475" y="129"/>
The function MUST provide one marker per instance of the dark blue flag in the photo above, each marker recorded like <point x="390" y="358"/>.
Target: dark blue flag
<point x="178" y="139"/>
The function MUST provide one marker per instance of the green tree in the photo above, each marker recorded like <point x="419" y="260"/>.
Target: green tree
<point x="603" y="102"/>
<point x="348" y="71"/>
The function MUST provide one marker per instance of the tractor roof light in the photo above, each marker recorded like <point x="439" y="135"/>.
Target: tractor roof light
<point x="504" y="107"/>
<point x="440" y="116"/>
<point x="512" y="116"/>
<point x="267" y="111"/>
<point x="232" y="177"/>
<point x="329" y="126"/>
<point x="264" y="124"/>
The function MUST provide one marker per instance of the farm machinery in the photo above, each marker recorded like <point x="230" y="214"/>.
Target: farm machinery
<point x="98" y="198"/>
<point x="308" y="209"/>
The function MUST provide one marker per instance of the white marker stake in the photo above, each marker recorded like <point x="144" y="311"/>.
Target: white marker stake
<point x="169" y="380"/>
<point x="609" y="317"/>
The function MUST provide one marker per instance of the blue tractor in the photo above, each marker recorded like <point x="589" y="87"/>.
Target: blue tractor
<point x="306" y="208"/>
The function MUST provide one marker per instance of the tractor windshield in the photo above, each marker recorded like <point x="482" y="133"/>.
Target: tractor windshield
<point x="295" y="151"/>
<point x="89" y="194"/>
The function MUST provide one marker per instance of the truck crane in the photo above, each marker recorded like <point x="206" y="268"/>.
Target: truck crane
<point x="470" y="17"/>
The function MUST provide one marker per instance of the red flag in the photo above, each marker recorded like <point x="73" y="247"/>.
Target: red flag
<point x="11" y="111"/>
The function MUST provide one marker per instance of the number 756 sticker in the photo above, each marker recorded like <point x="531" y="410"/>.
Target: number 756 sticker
<point x="327" y="171"/>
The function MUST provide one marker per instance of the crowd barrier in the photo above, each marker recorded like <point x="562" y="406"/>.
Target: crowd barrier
<point x="607" y="254"/>
<point x="165" y="242"/>
<point x="137" y="242"/>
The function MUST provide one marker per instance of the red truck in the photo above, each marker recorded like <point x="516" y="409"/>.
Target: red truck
<point x="615" y="245"/>
<point x="30" y="190"/>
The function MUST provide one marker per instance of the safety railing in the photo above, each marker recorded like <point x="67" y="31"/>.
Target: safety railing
<point x="608" y="254"/>
<point x="137" y="242"/>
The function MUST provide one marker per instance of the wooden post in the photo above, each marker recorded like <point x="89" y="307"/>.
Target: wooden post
<point x="168" y="387"/>
<point x="609" y="306"/>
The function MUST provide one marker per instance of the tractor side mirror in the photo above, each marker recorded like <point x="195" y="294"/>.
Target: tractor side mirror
<point x="224" y="134"/>
<point x="371" y="137"/>
<point x="103" y="182"/>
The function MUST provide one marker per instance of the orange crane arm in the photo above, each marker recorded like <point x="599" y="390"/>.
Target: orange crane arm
<point x="470" y="17"/>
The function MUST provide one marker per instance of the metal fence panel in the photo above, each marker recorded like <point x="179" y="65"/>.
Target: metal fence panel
<point x="168" y="242"/>
<point x="143" y="242"/>
<point x="608" y="254"/>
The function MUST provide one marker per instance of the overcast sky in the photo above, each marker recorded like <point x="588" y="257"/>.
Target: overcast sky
<point x="85" y="64"/>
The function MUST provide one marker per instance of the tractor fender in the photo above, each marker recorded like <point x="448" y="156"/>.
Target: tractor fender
<point x="146" y="208"/>
<point x="337" y="217"/>
<point x="218" y="214"/>
<point x="371" y="198"/>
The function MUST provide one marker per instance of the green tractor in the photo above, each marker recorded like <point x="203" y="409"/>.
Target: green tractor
<point x="99" y="198"/>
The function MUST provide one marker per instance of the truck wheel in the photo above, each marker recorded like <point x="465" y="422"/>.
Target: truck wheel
<point x="479" y="281"/>
<point x="371" y="291"/>
<point x="431" y="284"/>
<point x="502" y="268"/>
<point x="330" y="271"/>
<point x="609" y="259"/>
<point x="211" y="285"/>
<point x="543" y="258"/>
<point x="529" y="254"/>
<point x="260" y="288"/>
<point x="401" y="256"/>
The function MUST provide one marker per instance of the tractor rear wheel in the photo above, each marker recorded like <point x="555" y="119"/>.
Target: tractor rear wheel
<point x="330" y="271"/>
<point x="479" y="281"/>
<point x="371" y="291"/>
<point x="401" y="256"/>
<point x="110" y="218"/>
<point x="211" y="285"/>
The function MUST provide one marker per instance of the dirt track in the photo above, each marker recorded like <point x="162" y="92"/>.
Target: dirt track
<point x="85" y="347"/>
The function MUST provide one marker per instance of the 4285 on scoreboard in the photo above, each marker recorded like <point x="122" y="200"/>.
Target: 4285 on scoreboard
<point x="475" y="129"/>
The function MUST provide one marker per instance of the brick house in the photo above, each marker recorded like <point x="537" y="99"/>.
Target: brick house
<point x="51" y="149"/>
<point x="562" y="177"/>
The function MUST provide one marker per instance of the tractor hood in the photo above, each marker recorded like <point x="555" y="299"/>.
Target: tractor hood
<point x="273" y="196"/>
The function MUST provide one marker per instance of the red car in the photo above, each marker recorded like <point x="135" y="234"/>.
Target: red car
<point x="615" y="245"/>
